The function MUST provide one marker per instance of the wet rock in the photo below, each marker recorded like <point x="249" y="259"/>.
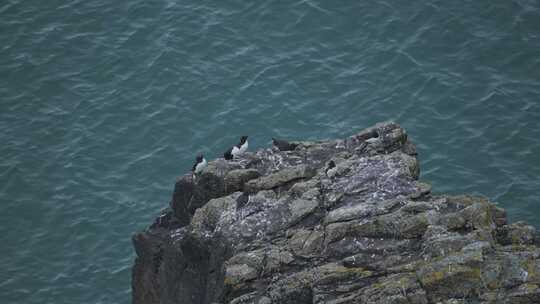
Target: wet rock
<point x="282" y="227"/>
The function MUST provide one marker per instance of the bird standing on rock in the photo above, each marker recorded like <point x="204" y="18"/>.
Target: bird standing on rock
<point x="283" y="145"/>
<point x="237" y="149"/>
<point x="331" y="165"/>
<point x="200" y="164"/>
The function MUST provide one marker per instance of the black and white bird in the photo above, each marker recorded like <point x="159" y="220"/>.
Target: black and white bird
<point x="237" y="149"/>
<point x="283" y="145"/>
<point x="199" y="165"/>
<point x="330" y="169"/>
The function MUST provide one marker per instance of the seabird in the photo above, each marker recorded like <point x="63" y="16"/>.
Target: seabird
<point x="283" y="145"/>
<point x="330" y="169"/>
<point x="237" y="149"/>
<point x="200" y="164"/>
<point x="331" y="165"/>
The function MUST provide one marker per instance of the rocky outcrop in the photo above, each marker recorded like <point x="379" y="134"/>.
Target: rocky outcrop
<point x="284" y="227"/>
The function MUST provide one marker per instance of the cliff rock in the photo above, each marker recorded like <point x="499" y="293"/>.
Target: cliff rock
<point x="285" y="227"/>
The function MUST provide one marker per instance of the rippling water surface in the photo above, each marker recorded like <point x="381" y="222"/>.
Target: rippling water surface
<point x="104" y="103"/>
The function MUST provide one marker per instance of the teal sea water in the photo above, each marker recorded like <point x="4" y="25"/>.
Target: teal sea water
<point x="103" y="103"/>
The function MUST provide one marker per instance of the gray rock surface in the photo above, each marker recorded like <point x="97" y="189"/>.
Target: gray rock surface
<point x="277" y="227"/>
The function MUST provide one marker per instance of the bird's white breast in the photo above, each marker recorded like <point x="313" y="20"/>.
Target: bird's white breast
<point x="244" y="147"/>
<point x="200" y="166"/>
<point x="235" y="151"/>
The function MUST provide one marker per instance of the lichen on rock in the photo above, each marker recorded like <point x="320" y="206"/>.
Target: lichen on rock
<point x="278" y="227"/>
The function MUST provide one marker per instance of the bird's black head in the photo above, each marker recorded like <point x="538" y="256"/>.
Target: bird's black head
<point x="243" y="139"/>
<point x="331" y="164"/>
<point x="199" y="158"/>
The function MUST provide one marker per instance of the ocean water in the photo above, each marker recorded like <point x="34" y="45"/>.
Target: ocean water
<point x="104" y="103"/>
